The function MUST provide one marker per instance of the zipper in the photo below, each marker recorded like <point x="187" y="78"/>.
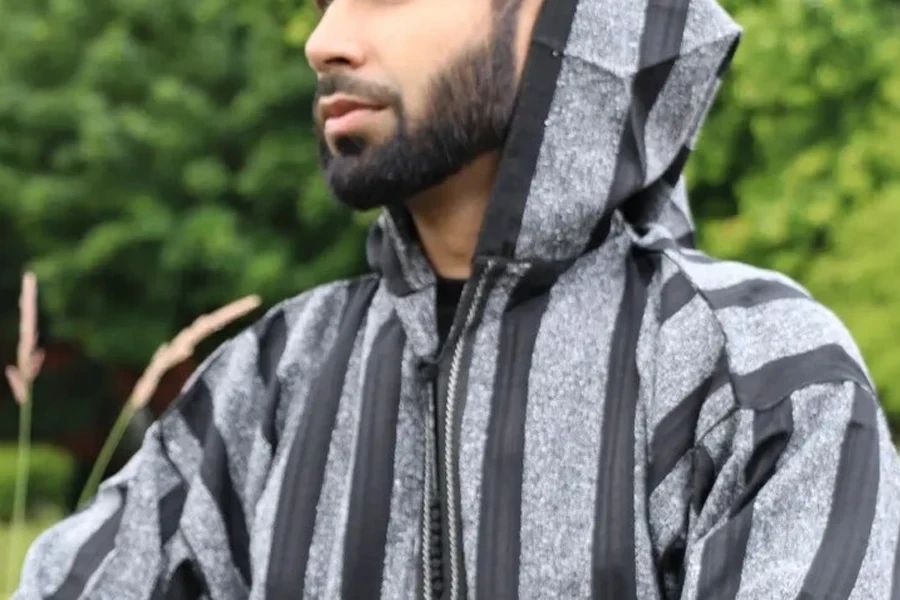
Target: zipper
<point x="450" y="478"/>
<point x="430" y="490"/>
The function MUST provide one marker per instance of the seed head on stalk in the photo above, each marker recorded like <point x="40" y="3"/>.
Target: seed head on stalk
<point x="21" y="376"/>
<point x="182" y="346"/>
<point x="168" y="355"/>
<point x="29" y="358"/>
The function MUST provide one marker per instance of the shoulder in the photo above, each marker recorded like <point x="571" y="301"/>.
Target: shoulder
<point x="307" y="317"/>
<point x="241" y="373"/>
<point x="776" y="338"/>
<point x="262" y="344"/>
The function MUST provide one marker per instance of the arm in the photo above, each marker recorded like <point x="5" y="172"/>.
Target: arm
<point x="129" y="542"/>
<point x="120" y="541"/>
<point x="804" y="502"/>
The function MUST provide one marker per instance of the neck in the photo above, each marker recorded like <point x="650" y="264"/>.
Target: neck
<point x="448" y="217"/>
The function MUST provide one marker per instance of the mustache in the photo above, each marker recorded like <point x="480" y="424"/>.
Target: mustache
<point x="343" y="83"/>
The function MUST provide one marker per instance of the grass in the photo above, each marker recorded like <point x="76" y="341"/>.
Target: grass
<point x="33" y="528"/>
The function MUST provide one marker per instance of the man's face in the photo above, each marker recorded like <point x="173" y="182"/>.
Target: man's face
<point x="410" y="91"/>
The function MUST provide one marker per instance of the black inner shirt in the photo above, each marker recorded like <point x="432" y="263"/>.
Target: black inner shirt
<point x="449" y="292"/>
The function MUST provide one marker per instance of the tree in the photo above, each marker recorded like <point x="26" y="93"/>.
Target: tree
<point x="156" y="160"/>
<point x="798" y="168"/>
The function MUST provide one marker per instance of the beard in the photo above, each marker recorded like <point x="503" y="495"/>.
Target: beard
<point x="470" y="106"/>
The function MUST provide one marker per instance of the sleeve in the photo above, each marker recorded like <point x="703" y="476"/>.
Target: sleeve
<point x="117" y="542"/>
<point x="130" y="541"/>
<point x="800" y="500"/>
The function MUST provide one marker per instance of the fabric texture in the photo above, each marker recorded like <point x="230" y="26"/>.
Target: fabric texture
<point x="613" y="414"/>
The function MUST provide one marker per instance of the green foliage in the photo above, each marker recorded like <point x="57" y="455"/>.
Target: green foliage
<point x="798" y="168"/>
<point x="156" y="160"/>
<point x="44" y="519"/>
<point x="49" y="478"/>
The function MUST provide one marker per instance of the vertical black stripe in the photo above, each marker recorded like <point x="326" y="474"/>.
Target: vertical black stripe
<point x="501" y="498"/>
<point x="836" y="566"/>
<point x="381" y="254"/>
<point x="184" y="584"/>
<point x="703" y="478"/>
<point x="216" y="474"/>
<point x="772" y="431"/>
<point x="723" y="555"/>
<point x="373" y="471"/>
<point x="271" y="335"/>
<point x="613" y="544"/>
<point x="305" y="470"/>
<point x="196" y="416"/>
<point x="677" y="293"/>
<point x="664" y="23"/>
<point x="672" y="567"/>
<point x="271" y="397"/>
<point x="671" y="177"/>
<point x="503" y="219"/>
<point x="674" y="436"/>
<point x="92" y="553"/>
<point x="170" y="508"/>
<point x="195" y="407"/>
<point x="729" y="57"/>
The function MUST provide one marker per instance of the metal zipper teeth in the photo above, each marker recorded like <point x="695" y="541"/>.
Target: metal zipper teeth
<point x="450" y="413"/>
<point x="427" y="495"/>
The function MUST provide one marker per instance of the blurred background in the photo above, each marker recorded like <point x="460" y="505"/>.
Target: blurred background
<point x="157" y="161"/>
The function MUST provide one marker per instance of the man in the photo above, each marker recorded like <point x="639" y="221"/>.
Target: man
<point x="543" y="391"/>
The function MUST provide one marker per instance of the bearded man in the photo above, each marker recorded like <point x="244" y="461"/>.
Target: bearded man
<point x="542" y="390"/>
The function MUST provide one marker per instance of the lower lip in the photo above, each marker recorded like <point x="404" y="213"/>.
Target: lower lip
<point x="347" y="122"/>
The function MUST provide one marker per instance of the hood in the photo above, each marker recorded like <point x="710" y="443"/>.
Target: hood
<point x="612" y="97"/>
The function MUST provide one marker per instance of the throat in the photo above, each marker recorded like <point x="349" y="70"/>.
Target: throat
<point x="448" y="218"/>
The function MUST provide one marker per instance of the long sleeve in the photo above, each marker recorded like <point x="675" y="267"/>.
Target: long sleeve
<point x="180" y="520"/>
<point x="800" y="500"/>
<point x="138" y="538"/>
<point x="120" y="542"/>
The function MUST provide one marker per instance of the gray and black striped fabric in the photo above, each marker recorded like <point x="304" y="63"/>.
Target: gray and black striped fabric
<point x="634" y="419"/>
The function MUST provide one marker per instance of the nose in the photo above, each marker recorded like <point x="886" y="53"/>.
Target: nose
<point x="335" y="42"/>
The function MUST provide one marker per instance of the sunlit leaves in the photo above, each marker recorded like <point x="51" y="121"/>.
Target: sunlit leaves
<point x="803" y="147"/>
<point x="156" y="160"/>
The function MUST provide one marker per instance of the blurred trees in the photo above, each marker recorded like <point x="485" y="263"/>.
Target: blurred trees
<point x="156" y="160"/>
<point x="798" y="168"/>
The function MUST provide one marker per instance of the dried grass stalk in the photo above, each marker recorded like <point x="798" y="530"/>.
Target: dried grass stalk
<point x="29" y="359"/>
<point x="168" y="355"/>
<point x="182" y="346"/>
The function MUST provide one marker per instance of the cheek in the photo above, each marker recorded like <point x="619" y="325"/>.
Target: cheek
<point x="527" y="17"/>
<point x="415" y="41"/>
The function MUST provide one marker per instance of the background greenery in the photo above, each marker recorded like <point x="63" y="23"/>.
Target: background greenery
<point x="40" y="521"/>
<point x="799" y="166"/>
<point x="51" y="470"/>
<point x="156" y="161"/>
